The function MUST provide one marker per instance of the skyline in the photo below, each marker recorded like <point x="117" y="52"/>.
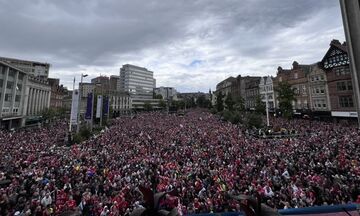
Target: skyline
<point x="191" y="46"/>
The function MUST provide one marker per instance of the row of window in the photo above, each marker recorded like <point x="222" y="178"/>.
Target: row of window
<point x="318" y="90"/>
<point x="317" y="78"/>
<point x="342" y="71"/>
<point x="344" y="86"/>
<point x="7" y="110"/>
<point x="337" y="58"/>
<point x="346" y="101"/>
<point x="320" y="103"/>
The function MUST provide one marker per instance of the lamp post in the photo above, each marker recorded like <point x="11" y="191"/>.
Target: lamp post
<point x="80" y="95"/>
<point x="267" y="106"/>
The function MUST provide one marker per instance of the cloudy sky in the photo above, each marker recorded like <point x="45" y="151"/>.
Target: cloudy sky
<point x="189" y="44"/>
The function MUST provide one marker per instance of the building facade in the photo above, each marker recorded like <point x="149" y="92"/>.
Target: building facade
<point x="266" y="91"/>
<point x="318" y="90"/>
<point x="340" y="83"/>
<point x="167" y="93"/>
<point x="12" y="95"/>
<point x="37" y="69"/>
<point x="139" y="82"/>
<point x="120" y="103"/>
<point x="38" y="93"/>
<point x="225" y="87"/>
<point x="251" y="91"/>
<point x="297" y="78"/>
<point x="115" y="83"/>
<point x="57" y="93"/>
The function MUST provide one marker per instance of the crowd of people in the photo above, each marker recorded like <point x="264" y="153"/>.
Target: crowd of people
<point x="203" y="159"/>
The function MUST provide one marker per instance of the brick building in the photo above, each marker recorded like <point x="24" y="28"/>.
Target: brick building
<point x="340" y="84"/>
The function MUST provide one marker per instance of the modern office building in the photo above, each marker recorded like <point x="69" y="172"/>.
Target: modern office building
<point x="139" y="82"/>
<point x="167" y="93"/>
<point x="37" y="69"/>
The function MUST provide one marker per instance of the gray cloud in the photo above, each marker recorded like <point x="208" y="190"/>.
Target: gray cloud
<point x="230" y="37"/>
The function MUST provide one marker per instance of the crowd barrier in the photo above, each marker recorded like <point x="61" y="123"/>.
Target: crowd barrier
<point x="336" y="210"/>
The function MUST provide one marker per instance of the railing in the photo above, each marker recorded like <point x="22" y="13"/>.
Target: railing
<point x="336" y="210"/>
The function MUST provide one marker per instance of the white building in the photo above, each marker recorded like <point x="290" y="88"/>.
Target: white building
<point x="167" y="93"/>
<point x="137" y="81"/>
<point x="266" y="91"/>
<point x="38" y="92"/>
<point x="37" y="69"/>
<point x="21" y="96"/>
<point x="120" y="102"/>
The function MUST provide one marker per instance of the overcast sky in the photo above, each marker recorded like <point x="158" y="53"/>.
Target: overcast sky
<point x="189" y="44"/>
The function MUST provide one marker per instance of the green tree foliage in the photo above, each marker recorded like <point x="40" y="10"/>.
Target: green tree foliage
<point x="147" y="106"/>
<point x="162" y="104"/>
<point x="286" y="95"/>
<point x="220" y="102"/>
<point x="254" y="120"/>
<point x="260" y="106"/>
<point x="239" y="104"/>
<point x="229" y="102"/>
<point x="158" y="96"/>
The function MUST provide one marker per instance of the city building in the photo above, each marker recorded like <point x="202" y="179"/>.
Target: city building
<point x="115" y="83"/>
<point x="86" y="88"/>
<point x="167" y="93"/>
<point x="224" y="87"/>
<point x="266" y="92"/>
<point x="57" y="93"/>
<point x="339" y="80"/>
<point x="319" y="91"/>
<point x="38" y="92"/>
<point x="102" y="84"/>
<point x="297" y="78"/>
<point x="33" y="68"/>
<point x="137" y="81"/>
<point x="251" y="91"/>
<point x="12" y="96"/>
<point x="120" y="103"/>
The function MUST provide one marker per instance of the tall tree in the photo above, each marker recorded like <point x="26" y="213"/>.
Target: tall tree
<point x="220" y="102"/>
<point x="260" y="106"/>
<point x="239" y="104"/>
<point x="229" y="102"/>
<point x="286" y="95"/>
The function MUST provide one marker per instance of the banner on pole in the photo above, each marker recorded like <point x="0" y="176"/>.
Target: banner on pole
<point x="89" y="106"/>
<point x="98" y="106"/>
<point x="74" y="107"/>
<point x="106" y="105"/>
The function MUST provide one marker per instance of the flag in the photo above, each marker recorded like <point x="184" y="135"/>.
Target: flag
<point x="106" y="105"/>
<point x="89" y="106"/>
<point x="98" y="106"/>
<point x="74" y="107"/>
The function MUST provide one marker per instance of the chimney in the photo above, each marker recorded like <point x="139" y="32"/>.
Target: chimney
<point x="344" y="43"/>
<point x="334" y="41"/>
<point x="279" y="69"/>
<point x="295" y="64"/>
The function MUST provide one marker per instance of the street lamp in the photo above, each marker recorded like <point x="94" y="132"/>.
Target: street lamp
<point x="80" y="95"/>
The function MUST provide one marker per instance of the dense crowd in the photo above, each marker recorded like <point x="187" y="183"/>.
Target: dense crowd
<point x="201" y="157"/>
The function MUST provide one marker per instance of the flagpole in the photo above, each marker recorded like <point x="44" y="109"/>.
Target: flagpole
<point x="71" y="104"/>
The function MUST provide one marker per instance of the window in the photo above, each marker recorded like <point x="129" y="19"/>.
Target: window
<point x="321" y="77"/>
<point x="295" y="75"/>
<point x="8" y="97"/>
<point x="349" y="85"/>
<point x="10" y="85"/>
<point x="17" y="98"/>
<point x="341" y="86"/>
<point x="1" y="83"/>
<point x="322" y="90"/>
<point x="346" y="101"/>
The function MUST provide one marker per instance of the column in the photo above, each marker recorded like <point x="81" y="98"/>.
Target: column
<point x="48" y="99"/>
<point x="4" y="90"/>
<point x="36" y="101"/>
<point x="41" y="101"/>
<point x="14" y="91"/>
<point x="28" y="112"/>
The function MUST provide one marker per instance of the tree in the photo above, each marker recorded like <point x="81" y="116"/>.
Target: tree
<point x="201" y="101"/>
<point x="158" y="96"/>
<point x="254" y="120"/>
<point x="260" y="106"/>
<point x="162" y="104"/>
<point x="220" y="102"/>
<point x="286" y="95"/>
<point x="147" y="106"/>
<point x="239" y="104"/>
<point x="229" y="102"/>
